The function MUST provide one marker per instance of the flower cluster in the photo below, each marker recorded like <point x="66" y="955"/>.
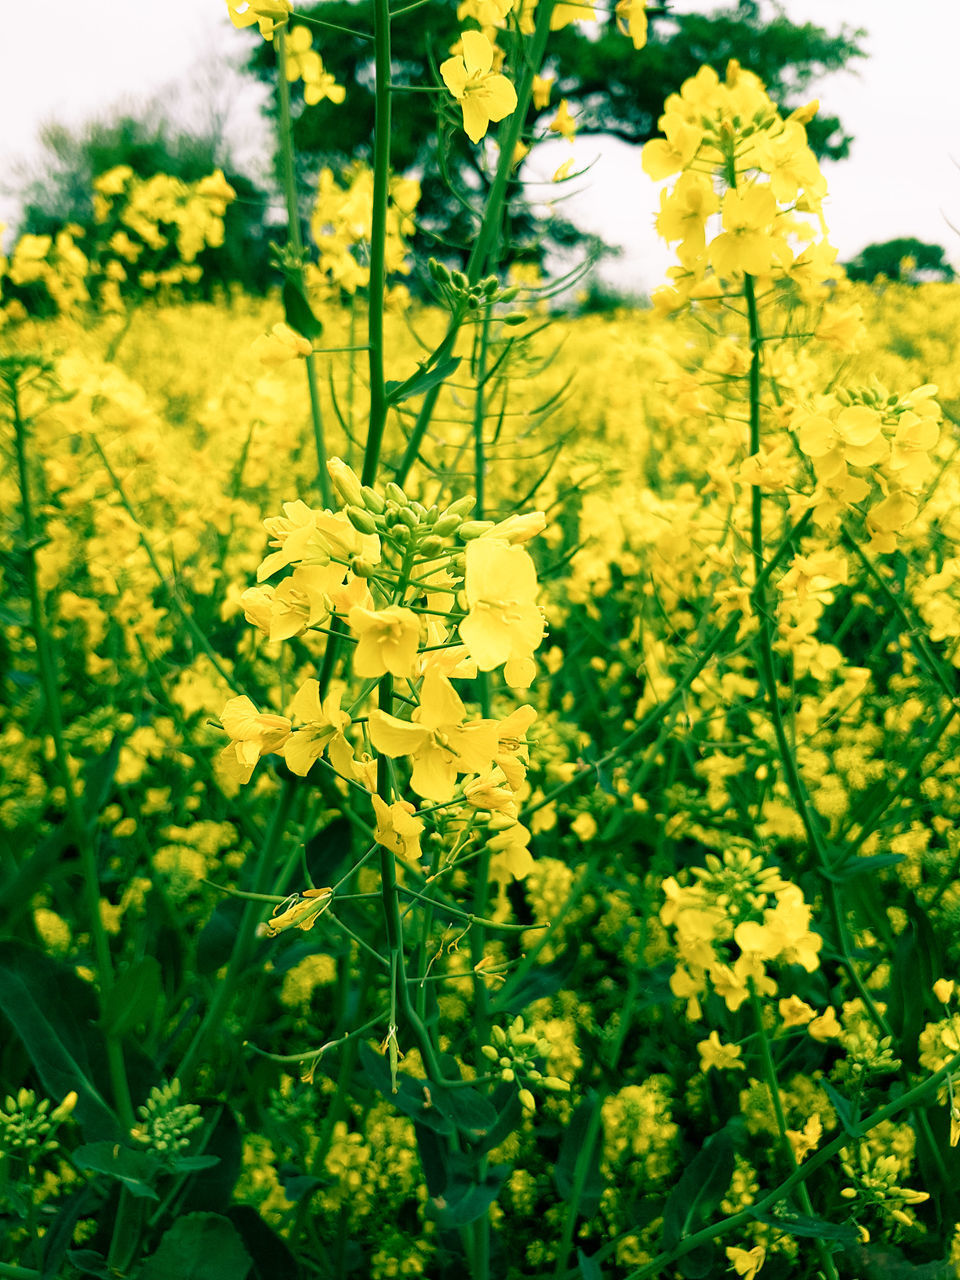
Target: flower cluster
<point x="341" y="221"/>
<point x="737" y="916"/>
<point x="385" y="578"/>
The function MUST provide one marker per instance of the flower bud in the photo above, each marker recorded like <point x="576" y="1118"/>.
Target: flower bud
<point x="431" y="546"/>
<point x="474" y="528"/>
<point x="446" y="525"/>
<point x="65" y="1108"/>
<point x="346" y="482"/>
<point x="361" y="519"/>
<point x="372" y="500"/>
<point x="438" y="271"/>
<point x="408" y="517"/>
<point x="362" y="568"/>
<point x="489" y="1052"/>
<point x="515" y="318"/>
<point x="527" y="1100"/>
<point x="396" y="493"/>
<point x="460" y="280"/>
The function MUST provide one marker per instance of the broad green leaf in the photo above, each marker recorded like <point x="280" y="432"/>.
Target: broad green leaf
<point x="134" y="1170"/>
<point x="298" y="312"/>
<point x="701" y="1187"/>
<point x="133" y="998"/>
<point x="201" y="1246"/>
<point x="272" y="1259"/>
<point x="54" y="1012"/>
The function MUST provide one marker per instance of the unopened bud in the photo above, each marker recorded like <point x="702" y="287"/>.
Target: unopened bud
<point x="361" y="567"/>
<point x="361" y="519"/>
<point x="372" y="500"/>
<point x="396" y="493"/>
<point x="474" y="528"/>
<point x="460" y="280"/>
<point x="515" y="318"/>
<point x="527" y="1100"/>
<point x="408" y="517"/>
<point x="462" y="507"/>
<point x="446" y="525"/>
<point x="345" y="481"/>
<point x="431" y="546"/>
<point x="438" y="271"/>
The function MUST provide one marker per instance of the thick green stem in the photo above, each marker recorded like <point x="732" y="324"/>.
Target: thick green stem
<point x="296" y="243"/>
<point x="378" y="237"/>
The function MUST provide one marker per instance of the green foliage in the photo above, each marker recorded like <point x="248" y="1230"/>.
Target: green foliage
<point x="905" y="259"/>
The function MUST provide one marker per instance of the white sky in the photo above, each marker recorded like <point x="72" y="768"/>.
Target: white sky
<point x="901" y="105"/>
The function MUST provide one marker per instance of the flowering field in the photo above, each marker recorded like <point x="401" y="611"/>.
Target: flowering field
<point x="478" y="786"/>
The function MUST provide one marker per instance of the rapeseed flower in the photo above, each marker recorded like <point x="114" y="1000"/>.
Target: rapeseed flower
<point x="484" y="95"/>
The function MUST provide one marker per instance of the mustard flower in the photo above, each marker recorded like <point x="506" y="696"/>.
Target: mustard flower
<point x="322" y="730"/>
<point x="722" y="1057"/>
<point x="280" y="345"/>
<point x="541" y="91"/>
<point x="747" y="243"/>
<point x="632" y="20"/>
<point x="387" y="640"/>
<point x="483" y="94"/>
<point x="563" y="122"/>
<point x="436" y="739"/>
<point x="504" y="624"/>
<point x="746" y="1262"/>
<point x="398" y="828"/>
<point x="253" y="733"/>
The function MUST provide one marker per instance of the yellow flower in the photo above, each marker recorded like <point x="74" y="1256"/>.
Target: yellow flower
<point x="483" y="94"/>
<point x="322" y="730"/>
<point x="806" y="1139"/>
<point x="567" y="11"/>
<point x="746" y="1262"/>
<point x="387" y="640"/>
<point x="541" y="91"/>
<point x="280" y="345"/>
<point x="254" y="734"/>
<point x="747" y="243"/>
<point x="398" y="829"/>
<point x="722" y="1057"/>
<point x="299" y="911"/>
<point x="795" y="1012"/>
<point x="563" y="122"/>
<point x="504" y="624"/>
<point x="436" y="739"/>
<point x="825" y="1027"/>
<point x="632" y="21"/>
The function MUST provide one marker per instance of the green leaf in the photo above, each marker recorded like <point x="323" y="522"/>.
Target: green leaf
<point x="298" y="312"/>
<point x="327" y="850"/>
<point x="59" y="1234"/>
<point x="133" y="998"/>
<point x="509" y="1115"/>
<point x="410" y="1099"/>
<point x="846" y="1113"/>
<point x="701" y="1187"/>
<point x="202" y="1246"/>
<point x="844" y="1234"/>
<point x="134" y="1170"/>
<point x="589" y="1267"/>
<point x="427" y="376"/>
<point x="211" y="1188"/>
<point x="272" y="1259"/>
<point x="467" y="1197"/>
<point x="89" y="1263"/>
<point x="218" y="936"/>
<point x="54" y="1013"/>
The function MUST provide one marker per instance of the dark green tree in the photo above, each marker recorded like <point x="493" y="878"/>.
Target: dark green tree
<point x="611" y="88"/>
<point x="905" y="259"/>
<point x="59" y="191"/>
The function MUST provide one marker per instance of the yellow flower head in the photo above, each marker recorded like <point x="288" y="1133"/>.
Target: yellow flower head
<point x="483" y="94"/>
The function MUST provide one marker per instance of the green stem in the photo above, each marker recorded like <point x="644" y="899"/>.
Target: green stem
<point x="773" y="1088"/>
<point x="658" y="1265"/>
<point x="46" y="661"/>
<point x="243" y="942"/>
<point x="296" y="243"/>
<point x="378" y="236"/>
<point x="489" y="231"/>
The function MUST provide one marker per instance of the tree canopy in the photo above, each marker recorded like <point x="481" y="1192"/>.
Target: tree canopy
<point x="610" y="87"/>
<point x="904" y="259"/>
